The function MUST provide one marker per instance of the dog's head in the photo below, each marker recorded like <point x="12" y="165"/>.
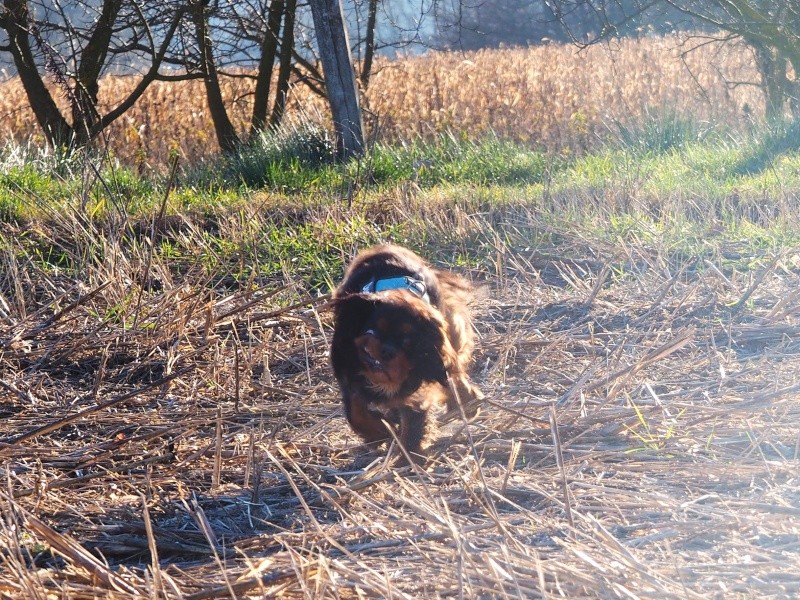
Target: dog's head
<point x="393" y="340"/>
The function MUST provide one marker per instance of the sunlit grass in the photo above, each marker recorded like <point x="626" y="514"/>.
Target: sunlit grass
<point x="465" y="197"/>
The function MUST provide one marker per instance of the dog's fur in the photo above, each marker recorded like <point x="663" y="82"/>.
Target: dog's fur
<point x="393" y="351"/>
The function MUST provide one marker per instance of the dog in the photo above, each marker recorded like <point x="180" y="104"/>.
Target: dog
<point x="401" y="345"/>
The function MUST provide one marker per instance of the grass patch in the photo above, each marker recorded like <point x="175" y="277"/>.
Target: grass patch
<point x="285" y="160"/>
<point x="300" y="213"/>
<point x="303" y="159"/>
<point x="452" y="159"/>
<point x="659" y="131"/>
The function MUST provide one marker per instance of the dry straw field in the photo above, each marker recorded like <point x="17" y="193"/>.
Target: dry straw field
<point x="163" y="437"/>
<point x="553" y="97"/>
<point x="168" y="431"/>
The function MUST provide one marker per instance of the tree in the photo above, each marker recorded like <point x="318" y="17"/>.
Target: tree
<point x="269" y="52"/>
<point x="75" y="47"/>
<point x="226" y="34"/>
<point x="285" y="68"/>
<point x="770" y="27"/>
<point x="340" y="80"/>
<point x="226" y="133"/>
<point x="228" y="38"/>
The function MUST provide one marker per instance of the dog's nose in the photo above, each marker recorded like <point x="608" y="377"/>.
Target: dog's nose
<point x="375" y="350"/>
<point x="388" y="353"/>
<point x="371" y="345"/>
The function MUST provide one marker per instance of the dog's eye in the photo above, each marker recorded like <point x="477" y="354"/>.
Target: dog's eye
<point x="406" y="341"/>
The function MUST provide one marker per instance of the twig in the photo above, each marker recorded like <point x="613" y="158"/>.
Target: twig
<point x="560" y="465"/>
<point x="659" y="353"/>
<point x="759" y="278"/>
<point x="217" y="472"/>
<point x="55" y="425"/>
<point x="78" y="555"/>
<point x="56" y="317"/>
<point x="598" y="283"/>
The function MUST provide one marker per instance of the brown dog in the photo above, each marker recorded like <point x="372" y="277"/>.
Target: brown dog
<point x="402" y="329"/>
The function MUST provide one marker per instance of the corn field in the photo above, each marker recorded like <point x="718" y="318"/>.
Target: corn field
<point x="558" y="98"/>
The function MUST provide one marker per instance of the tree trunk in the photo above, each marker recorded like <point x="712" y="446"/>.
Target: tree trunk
<point x="793" y="88"/>
<point x="85" y="115"/>
<point x="17" y="23"/>
<point x="772" y="68"/>
<point x="269" y="48"/>
<point x="340" y="79"/>
<point x="285" y="70"/>
<point x="226" y="133"/>
<point x="369" y="44"/>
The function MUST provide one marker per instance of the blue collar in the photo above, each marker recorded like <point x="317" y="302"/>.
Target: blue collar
<point x="415" y="286"/>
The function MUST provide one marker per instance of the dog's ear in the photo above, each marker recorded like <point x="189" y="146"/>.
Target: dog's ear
<point x="351" y="311"/>
<point x="433" y="352"/>
<point x="350" y="315"/>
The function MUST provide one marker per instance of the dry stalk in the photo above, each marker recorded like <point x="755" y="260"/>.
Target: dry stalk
<point x="669" y="489"/>
<point x="560" y="464"/>
<point x="155" y="567"/>
<point x="217" y="472"/>
<point x="76" y="554"/>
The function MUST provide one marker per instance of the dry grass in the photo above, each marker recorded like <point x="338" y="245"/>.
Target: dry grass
<point x="553" y="97"/>
<point x="640" y="437"/>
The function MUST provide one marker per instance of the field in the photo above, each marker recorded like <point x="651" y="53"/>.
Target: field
<point x="170" y="427"/>
<point x="553" y="97"/>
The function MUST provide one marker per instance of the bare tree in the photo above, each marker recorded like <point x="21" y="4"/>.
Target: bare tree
<point x="239" y="35"/>
<point x="73" y="45"/>
<point x="226" y="133"/>
<point x="269" y="52"/>
<point x="273" y="41"/>
<point x="369" y="43"/>
<point x="74" y="48"/>
<point x="770" y="27"/>
<point x="286" y="58"/>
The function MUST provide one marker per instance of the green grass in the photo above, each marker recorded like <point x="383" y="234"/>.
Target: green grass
<point x="288" y="160"/>
<point x="662" y="131"/>
<point x="455" y="160"/>
<point x="283" y="206"/>
<point x="303" y="159"/>
<point x="38" y="184"/>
